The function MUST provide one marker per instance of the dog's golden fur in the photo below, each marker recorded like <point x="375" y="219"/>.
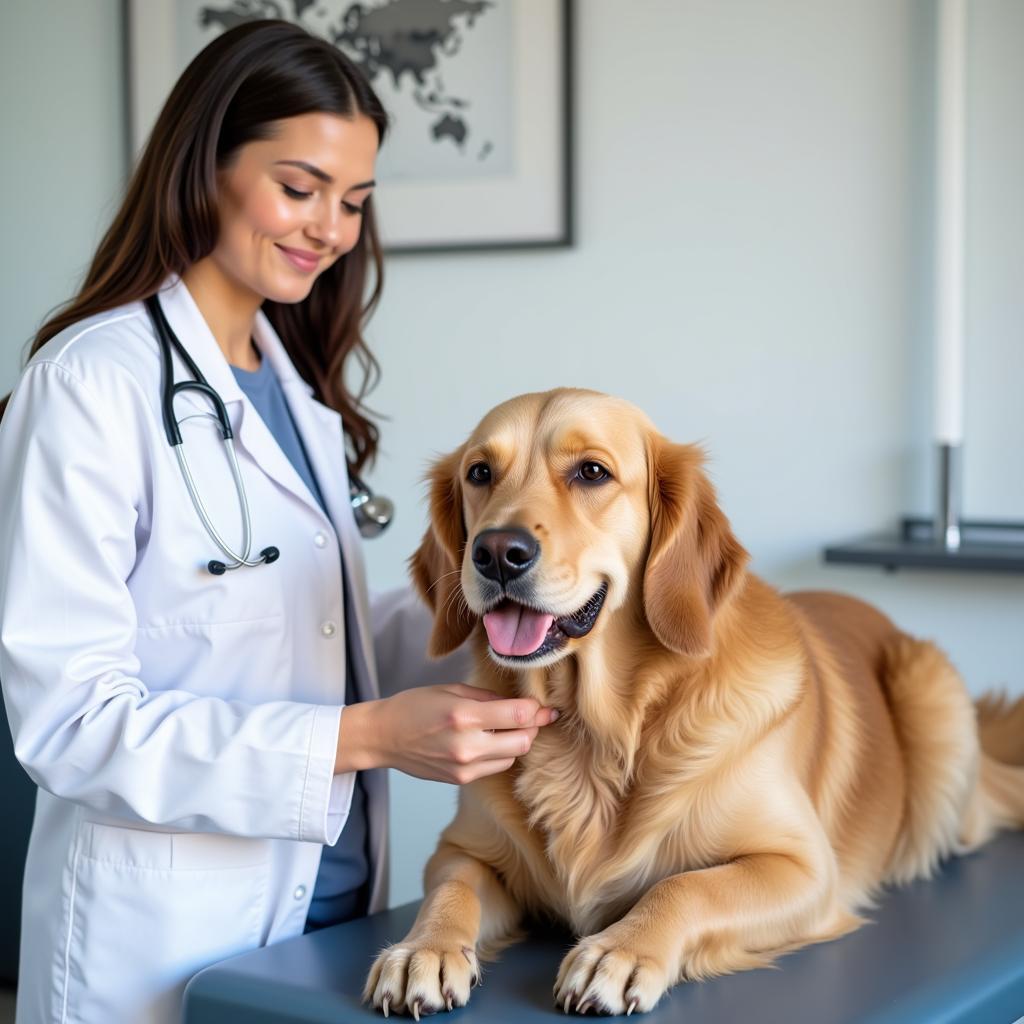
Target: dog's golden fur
<point x="734" y="774"/>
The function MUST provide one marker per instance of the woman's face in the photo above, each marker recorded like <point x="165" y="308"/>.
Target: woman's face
<point x="291" y="205"/>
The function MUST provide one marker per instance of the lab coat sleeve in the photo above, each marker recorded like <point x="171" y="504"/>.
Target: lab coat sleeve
<point x="401" y="628"/>
<point x="85" y="725"/>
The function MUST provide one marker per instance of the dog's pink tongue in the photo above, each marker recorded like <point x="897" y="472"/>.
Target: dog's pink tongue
<point x="513" y="629"/>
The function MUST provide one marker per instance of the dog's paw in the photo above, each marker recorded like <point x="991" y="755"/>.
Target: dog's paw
<point x="611" y="973"/>
<point x="420" y="979"/>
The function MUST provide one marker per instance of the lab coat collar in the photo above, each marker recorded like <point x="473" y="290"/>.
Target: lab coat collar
<point x="195" y="335"/>
<point x="323" y="437"/>
<point x="251" y="433"/>
<point x="319" y="427"/>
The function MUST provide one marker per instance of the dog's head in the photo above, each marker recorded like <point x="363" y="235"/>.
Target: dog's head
<point x="562" y="509"/>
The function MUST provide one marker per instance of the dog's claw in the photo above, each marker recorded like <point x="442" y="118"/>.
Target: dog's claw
<point x="448" y="1001"/>
<point x="416" y="1009"/>
<point x="384" y="1005"/>
<point x="568" y="1002"/>
<point x="631" y="1007"/>
<point x="583" y="1007"/>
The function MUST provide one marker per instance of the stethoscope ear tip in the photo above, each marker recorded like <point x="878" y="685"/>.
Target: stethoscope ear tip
<point x="267" y="555"/>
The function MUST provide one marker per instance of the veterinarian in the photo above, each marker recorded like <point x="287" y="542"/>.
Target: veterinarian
<point x="191" y="664"/>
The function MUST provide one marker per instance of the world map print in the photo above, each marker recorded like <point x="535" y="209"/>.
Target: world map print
<point x="441" y="67"/>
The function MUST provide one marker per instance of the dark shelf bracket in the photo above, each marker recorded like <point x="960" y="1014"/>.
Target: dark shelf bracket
<point x="985" y="546"/>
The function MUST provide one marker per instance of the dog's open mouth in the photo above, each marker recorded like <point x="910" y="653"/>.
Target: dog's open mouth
<point x="516" y="631"/>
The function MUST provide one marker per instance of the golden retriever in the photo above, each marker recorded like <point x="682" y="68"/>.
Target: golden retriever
<point x="734" y="773"/>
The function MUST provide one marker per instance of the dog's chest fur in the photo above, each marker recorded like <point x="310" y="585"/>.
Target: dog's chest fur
<point x="606" y="797"/>
<point x="575" y="809"/>
<point x="580" y="800"/>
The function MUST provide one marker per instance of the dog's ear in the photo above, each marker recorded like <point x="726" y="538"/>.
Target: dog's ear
<point x="695" y="563"/>
<point x="436" y="565"/>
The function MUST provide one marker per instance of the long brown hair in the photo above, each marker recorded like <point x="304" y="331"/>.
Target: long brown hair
<point x="247" y="78"/>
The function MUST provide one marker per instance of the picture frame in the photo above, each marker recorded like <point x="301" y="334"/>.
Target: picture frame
<point x="479" y="154"/>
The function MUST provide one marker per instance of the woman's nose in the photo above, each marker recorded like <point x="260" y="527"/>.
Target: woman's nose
<point x="327" y="227"/>
<point x="335" y="230"/>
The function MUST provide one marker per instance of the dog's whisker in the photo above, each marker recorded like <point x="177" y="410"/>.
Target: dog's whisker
<point x="454" y="596"/>
<point x="443" y="576"/>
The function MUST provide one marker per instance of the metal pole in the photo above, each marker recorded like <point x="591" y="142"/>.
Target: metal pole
<point x="947" y="522"/>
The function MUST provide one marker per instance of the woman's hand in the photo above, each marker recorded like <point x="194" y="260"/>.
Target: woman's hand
<point x="452" y="733"/>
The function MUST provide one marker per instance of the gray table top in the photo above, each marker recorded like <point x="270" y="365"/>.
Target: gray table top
<point x="948" y="950"/>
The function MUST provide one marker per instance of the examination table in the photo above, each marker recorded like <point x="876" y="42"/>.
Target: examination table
<point x="948" y="950"/>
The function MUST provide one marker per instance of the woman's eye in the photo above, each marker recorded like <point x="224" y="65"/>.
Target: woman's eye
<point x="479" y="473"/>
<point x="294" y="193"/>
<point x="592" y="472"/>
<point x="352" y="208"/>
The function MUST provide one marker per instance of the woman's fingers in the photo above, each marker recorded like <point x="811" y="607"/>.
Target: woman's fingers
<point x="545" y="716"/>
<point x="513" y="713"/>
<point x="504" y="712"/>
<point x="454" y="733"/>
<point x="473" y="749"/>
<point x="471" y="692"/>
<point x="482" y="768"/>
<point x="505" y="743"/>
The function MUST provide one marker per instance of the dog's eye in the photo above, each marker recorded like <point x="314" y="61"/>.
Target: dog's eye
<point x="592" y="472"/>
<point x="479" y="473"/>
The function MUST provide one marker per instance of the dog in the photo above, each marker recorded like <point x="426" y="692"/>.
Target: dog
<point x="734" y="773"/>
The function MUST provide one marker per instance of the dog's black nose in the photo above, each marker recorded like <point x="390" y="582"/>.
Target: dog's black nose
<point x="502" y="555"/>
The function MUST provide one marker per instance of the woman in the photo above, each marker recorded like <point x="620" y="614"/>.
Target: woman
<point x="194" y="726"/>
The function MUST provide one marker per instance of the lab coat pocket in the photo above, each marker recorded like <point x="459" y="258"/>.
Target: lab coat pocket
<point x="149" y="909"/>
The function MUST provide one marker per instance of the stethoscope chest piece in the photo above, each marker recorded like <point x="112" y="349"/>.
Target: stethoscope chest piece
<point x="373" y="512"/>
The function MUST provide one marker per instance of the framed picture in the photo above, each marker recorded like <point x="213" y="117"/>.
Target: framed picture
<point x="479" y="153"/>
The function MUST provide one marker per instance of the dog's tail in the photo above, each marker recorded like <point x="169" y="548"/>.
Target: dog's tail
<point x="1001" y="727"/>
<point x="964" y="761"/>
<point x="1001" y="776"/>
<point x="935" y="727"/>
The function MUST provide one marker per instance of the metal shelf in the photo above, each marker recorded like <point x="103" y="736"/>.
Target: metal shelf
<point x="985" y="546"/>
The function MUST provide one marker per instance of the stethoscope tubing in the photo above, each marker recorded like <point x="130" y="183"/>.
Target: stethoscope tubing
<point x="168" y="340"/>
<point x="204" y="515"/>
<point x="373" y="513"/>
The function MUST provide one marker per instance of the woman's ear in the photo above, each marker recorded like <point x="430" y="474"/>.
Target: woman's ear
<point x="436" y="566"/>
<point x="695" y="563"/>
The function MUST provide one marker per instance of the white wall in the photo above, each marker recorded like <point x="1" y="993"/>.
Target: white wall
<point x="61" y="109"/>
<point x="753" y="194"/>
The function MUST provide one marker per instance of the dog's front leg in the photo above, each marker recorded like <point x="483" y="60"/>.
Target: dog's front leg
<point x="435" y="965"/>
<point x="698" y="924"/>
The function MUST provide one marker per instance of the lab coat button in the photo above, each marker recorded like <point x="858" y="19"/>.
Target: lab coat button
<point x="320" y="540"/>
<point x="300" y="891"/>
<point x="328" y="629"/>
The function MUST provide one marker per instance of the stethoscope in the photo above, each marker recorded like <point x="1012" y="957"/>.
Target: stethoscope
<point x="372" y="512"/>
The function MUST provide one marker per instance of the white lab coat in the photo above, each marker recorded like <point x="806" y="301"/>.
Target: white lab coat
<point x="181" y="726"/>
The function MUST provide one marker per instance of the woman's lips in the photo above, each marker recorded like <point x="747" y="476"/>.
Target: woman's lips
<point x="300" y="260"/>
